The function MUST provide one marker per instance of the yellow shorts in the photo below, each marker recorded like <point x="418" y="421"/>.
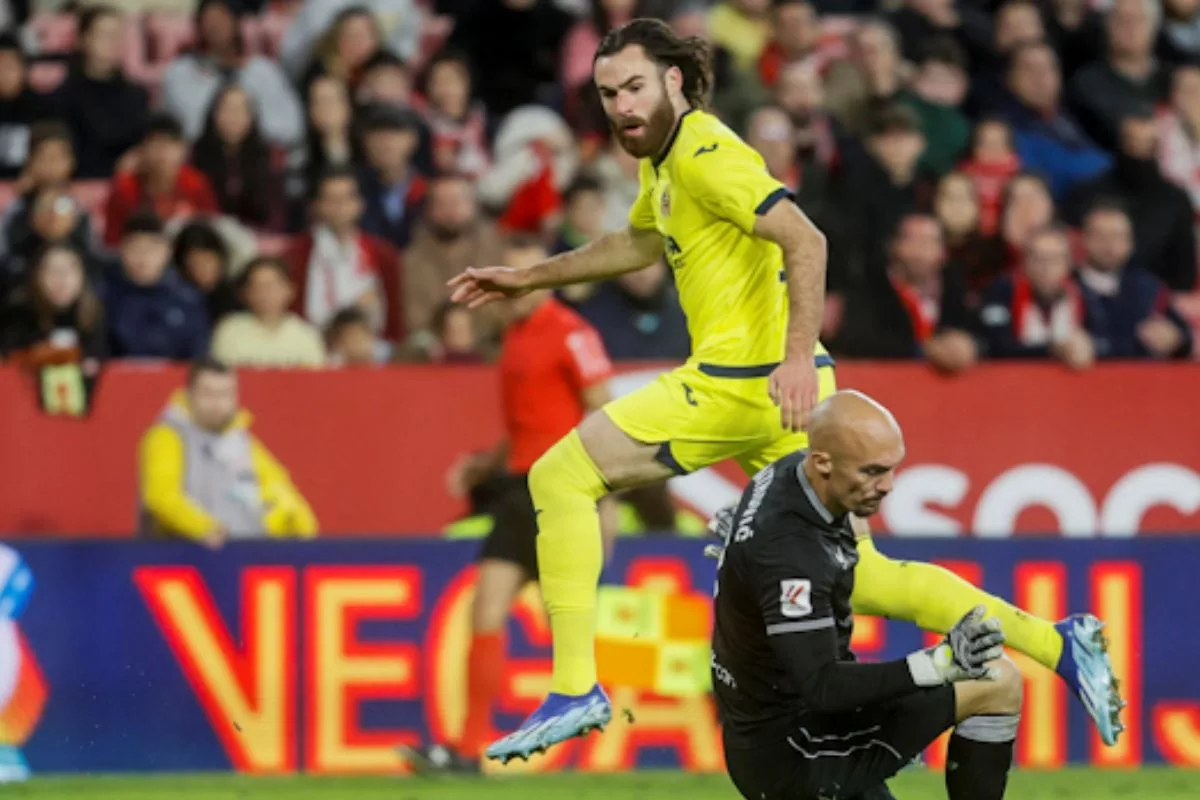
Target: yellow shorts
<point x="700" y="414"/>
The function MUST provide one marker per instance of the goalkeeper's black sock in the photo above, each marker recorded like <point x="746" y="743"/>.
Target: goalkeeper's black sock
<point x="979" y="757"/>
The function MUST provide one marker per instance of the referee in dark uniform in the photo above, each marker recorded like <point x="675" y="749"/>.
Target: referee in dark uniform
<point x="801" y="719"/>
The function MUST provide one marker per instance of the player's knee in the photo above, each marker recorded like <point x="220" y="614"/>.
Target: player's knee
<point x="1007" y="688"/>
<point x="566" y="466"/>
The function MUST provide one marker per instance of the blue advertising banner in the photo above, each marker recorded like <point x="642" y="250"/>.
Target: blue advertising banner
<point x="324" y="656"/>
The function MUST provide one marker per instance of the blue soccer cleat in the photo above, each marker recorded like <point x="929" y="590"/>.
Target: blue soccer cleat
<point x="560" y="717"/>
<point x="1086" y="668"/>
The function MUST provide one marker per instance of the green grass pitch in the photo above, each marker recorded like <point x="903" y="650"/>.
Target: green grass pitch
<point x="1074" y="784"/>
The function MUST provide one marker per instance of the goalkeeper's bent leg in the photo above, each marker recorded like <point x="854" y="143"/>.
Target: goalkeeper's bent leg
<point x="566" y="485"/>
<point x="934" y="599"/>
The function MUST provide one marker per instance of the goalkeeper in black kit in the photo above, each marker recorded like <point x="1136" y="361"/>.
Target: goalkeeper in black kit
<point x="801" y="719"/>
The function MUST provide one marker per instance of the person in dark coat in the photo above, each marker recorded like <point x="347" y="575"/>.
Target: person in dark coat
<point x="1163" y="224"/>
<point x="152" y="311"/>
<point x="392" y="188"/>
<point x="56" y="317"/>
<point x="917" y="309"/>
<point x="638" y="316"/>
<point x="202" y="258"/>
<point x="1039" y="311"/>
<point x="20" y="107"/>
<point x="106" y="111"/>
<point x="1128" y="310"/>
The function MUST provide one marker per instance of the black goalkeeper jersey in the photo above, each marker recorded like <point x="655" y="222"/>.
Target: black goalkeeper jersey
<point x="781" y="640"/>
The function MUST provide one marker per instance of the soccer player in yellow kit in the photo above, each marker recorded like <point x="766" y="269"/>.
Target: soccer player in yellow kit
<point x="750" y="270"/>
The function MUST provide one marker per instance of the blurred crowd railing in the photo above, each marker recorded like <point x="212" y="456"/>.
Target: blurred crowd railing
<point x="1000" y="450"/>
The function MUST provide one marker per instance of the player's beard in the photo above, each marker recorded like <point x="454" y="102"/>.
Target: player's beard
<point x="655" y="131"/>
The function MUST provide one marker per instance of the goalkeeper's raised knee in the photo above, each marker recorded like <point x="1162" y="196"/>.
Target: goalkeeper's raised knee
<point x="566" y="485"/>
<point x="934" y="599"/>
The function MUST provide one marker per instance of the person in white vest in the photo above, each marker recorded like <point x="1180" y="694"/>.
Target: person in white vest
<point x="204" y="476"/>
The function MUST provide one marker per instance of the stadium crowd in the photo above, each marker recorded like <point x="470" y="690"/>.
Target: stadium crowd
<point x="292" y="183"/>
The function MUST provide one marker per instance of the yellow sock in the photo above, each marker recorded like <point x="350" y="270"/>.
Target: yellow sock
<point x="566" y="485"/>
<point x="934" y="599"/>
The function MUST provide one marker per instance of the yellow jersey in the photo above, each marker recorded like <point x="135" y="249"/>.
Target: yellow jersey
<point x="703" y="195"/>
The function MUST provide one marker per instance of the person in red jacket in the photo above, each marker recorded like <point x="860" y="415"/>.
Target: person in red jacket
<point x="336" y="265"/>
<point x="161" y="183"/>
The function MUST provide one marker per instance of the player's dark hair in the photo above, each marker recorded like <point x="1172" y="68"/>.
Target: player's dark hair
<point x="691" y="55"/>
<point x="206" y="365"/>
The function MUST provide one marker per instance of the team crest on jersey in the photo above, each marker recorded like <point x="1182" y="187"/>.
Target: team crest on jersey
<point x="795" y="597"/>
<point x="664" y="204"/>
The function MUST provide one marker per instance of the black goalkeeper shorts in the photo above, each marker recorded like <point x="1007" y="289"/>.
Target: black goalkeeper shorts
<point x="514" y="532"/>
<point x="844" y="756"/>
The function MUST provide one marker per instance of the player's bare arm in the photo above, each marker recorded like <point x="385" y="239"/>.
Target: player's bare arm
<point x="611" y="255"/>
<point x="794" y="385"/>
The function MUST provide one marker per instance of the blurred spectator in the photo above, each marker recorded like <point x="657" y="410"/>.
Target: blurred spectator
<point x="795" y="32"/>
<point x="457" y="121"/>
<point x="883" y="184"/>
<point x="1127" y="78"/>
<point x="535" y="159"/>
<point x="1179" y="139"/>
<point x="1039" y="312"/>
<point x="583" y="218"/>
<point x="956" y="206"/>
<point x="515" y="48"/>
<point x="204" y="476"/>
<point x="1179" y="40"/>
<point x="50" y="161"/>
<point x="579" y="47"/>
<point x="202" y="258"/>
<point x="56" y="318"/>
<point x="231" y="153"/>
<point x="1129" y="310"/>
<point x="106" y="112"/>
<point x="392" y="189"/>
<point x="736" y="92"/>
<point x="20" y="107"/>
<point x="347" y="46"/>
<point x="267" y="334"/>
<point x="1048" y="138"/>
<point x="328" y="139"/>
<point x="618" y="174"/>
<point x="770" y="132"/>
<point x="917" y="309"/>
<point x="1077" y="32"/>
<point x="351" y="342"/>
<point x="1017" y="22"/>
<point x="1027" y="207"/>
<point x="937" y="90"/>
<point x="191" y="82"/>
<point x="1163" y="219"/>
<point x="638" y="316"/>
<point x="916" y="21"/>
<point x="801" y="96"/>
<point x="990" y="165"/>
<point x="858" y="86"/>
<point x="336" y="264"/>
<point x="385" y="79"/>
<point x="743" y="28"/>
<point x="455" y="342"/>
<point x="53" y="217"/>
<point x="400" y="21"/>
<point x="450" y="236"/>
<point x="162" y="183"/>
<point x="152" y="312"/>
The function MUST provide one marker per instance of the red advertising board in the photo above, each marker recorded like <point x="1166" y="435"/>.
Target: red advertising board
<point x="1005" y="449"/>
